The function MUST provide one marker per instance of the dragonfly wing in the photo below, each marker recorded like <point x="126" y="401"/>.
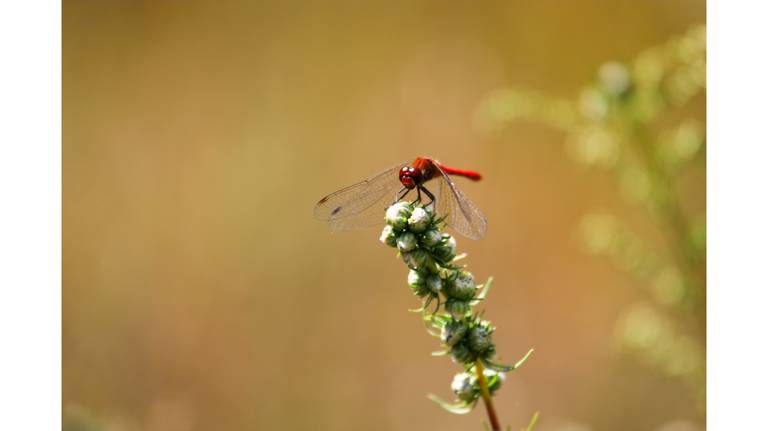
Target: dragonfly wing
<point x="360" y="205"/>
<point x="462" y="214"/>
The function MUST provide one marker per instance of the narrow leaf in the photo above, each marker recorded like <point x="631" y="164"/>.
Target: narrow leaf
<point x="506" y="368"/>
<point x="525" y="358"/>
<point x="483" y="291"/>
<point x="497" y="367"/>
<point x="532" y="424"/>
<point x="458" y="408"/>
<point x="486" y="288"/>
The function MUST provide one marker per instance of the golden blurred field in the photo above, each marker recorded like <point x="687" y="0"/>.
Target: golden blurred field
<point x="199" y="292"/>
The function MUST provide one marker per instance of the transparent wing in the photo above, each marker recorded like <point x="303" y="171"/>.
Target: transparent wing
<point x="363" y="204"/>
<point x="462" y="214"/>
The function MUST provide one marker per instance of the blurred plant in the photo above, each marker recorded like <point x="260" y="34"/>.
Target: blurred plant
<point x="437" y="279"/>
<point x="628" y="122"/>
<point x="78" y="418"/>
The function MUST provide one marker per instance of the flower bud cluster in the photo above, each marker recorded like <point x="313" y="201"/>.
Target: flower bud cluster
<point x="415" y="231"/>
<point x="468" y="340"/>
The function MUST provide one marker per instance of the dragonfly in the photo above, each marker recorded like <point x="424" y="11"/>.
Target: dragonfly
<point x="362" y="205"/>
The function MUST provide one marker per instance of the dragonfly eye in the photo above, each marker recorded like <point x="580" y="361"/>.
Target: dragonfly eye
<point x="408" y="177"/>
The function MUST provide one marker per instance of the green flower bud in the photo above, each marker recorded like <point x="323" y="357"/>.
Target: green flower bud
<point x="418" y="283"/>
<point x="388" y="236"/>
<point x="479" y="339"/>
<point x="446" y="250"/>
<point x="495" y="379"/>
<point x="434" y="283"/>
<point x="457" y="307"/>
<point x="406" y="242"/>
<point x="463" y="354"/>
<point x="416" y="278"/>
<point x="450" y="242"/>
<point x="416" y="259"/>
<point x="453" y="332"/>
<point x="465" y="387"/>
<point x="431" y="238"/>
<point x="397" y="215"/>
<point x="462" y="286"/>
<point x="419" y="220"/>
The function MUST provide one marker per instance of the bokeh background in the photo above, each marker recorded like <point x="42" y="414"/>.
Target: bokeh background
<point x="200" y="294"/>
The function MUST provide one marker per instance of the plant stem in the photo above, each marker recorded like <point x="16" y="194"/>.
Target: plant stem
<point x="495" y="426"/>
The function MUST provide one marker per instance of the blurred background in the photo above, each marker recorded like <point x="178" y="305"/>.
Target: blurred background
<point x="200" y="294"/>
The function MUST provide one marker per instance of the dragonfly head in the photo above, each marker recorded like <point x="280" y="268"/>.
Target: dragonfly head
<point x="410" y="177"/>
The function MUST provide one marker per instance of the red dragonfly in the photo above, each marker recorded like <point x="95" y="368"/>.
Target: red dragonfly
<point x="362" y="205"/>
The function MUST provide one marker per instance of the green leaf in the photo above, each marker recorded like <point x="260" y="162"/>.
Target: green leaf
<point x="506" y="368"/>
<point x="439" y="320"/>
<point x="431" y="319"/>
<point x="457" y="408"/>
<point x="492" y="380"/>
<point x="497" y="367"/>
<point x="525" y="358"/>
<point x="451" y="266"/>
<point x="532" y="424"/>
<point x="459" y="257"/>
<point x="483" y="291"/>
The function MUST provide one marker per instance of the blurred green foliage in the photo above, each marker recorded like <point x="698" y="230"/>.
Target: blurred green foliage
<point x="637" y="120"/>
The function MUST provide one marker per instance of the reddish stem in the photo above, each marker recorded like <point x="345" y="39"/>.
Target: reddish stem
<point x="495" y="425"/>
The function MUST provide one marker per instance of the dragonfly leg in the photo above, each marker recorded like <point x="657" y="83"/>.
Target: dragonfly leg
<point x="401" y="194"/>
<point x="429" y="194"/>
<point x="418" y="194"/>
